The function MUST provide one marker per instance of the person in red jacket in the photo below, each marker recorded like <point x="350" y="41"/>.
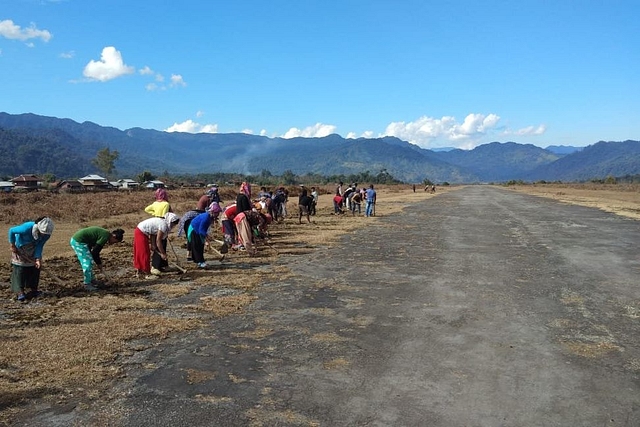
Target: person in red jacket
<point x="337" y="203"/>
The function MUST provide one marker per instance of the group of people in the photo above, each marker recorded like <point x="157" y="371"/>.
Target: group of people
<point x="242" y="222"/>
<point x="27" y="242"/>
<point x="352" y="198"/>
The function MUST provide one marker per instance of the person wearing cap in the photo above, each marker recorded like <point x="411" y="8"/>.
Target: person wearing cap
<point x="87" y="244"/>
<point x="198" y="234"/>
<point x="151" y="236"/>
<point x="27" y="242"/>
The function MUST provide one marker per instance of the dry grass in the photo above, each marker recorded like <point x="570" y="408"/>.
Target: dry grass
<point x="620" y="199"/>
<point x="71" y="342"/>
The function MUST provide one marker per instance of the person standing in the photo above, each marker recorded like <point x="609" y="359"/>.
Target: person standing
<point x="315" y="197"/>
<point x="304" y="206"/>
<point x="371" y="201"/>
<point x="27" y="242"/>
<point x="149" y="236"/>
<point x="87" y="244"/>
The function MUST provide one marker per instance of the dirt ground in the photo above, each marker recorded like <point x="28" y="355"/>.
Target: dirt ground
<point x="70" y="343"/>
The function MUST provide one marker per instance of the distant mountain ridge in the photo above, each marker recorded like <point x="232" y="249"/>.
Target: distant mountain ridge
<point x="184" y="153"/>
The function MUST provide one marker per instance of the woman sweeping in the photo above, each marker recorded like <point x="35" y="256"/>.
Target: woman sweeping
<point x="198" y="234"/>
<point x="149" y="236"/>
<point x="27" y="242"/>
<point x="87" y="244"/>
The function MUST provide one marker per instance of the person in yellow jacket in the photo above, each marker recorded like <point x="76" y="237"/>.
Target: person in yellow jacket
<point x="161" y="206"/>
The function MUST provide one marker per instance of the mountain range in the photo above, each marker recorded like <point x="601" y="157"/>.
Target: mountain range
<point x="63" y="147"/>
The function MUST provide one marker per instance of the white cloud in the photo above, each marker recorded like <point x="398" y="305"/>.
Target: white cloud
<point x="145" y="71"/>
<point x="426" y="130"/>
<point x="263" y="132"/>
<point x="528" y="131"/>
<point x="189" y="126"/>
<point x="176" y="80"/>
<point x="247" y="131"/>
<point x="199" y="113"/>
<point x="351" y="135"/>
<point x="12" y="31"/>
<point x="153" y="87"/>
<point x="109" y="67"/>
<point x="316" y="131"/>
<point x="67" y="55"/>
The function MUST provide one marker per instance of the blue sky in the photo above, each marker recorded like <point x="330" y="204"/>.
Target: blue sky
<point x="437" y="74"/>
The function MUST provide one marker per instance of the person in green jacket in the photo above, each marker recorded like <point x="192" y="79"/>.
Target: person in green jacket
<point x="87" y="244"/>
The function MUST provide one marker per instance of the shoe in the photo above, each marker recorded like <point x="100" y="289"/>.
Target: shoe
<point x="224" y="248"/>
<point x="242" y="248"/>
<point x="89" y="287"/>
<point x="21" y="298"/>
<point x="34" y="294"/>
<point x="202" y="265"/>
<point x="156" y="272"/>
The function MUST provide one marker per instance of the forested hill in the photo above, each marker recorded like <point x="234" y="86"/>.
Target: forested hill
<point x="30" y="152"/>
<point x="63" y="147"/>
<point x="599" y="160"/>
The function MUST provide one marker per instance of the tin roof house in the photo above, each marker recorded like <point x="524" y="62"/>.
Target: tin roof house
<point x="28" y="182"/>
<point x="95" y="182"/>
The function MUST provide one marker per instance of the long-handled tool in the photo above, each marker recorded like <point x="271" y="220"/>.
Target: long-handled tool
<point x="177" y="263"/>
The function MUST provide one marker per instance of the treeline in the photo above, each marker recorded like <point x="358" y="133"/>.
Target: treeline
<point x="266" y="178"/>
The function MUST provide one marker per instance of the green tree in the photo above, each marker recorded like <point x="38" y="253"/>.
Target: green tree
<point x="145" y="176"/>
<point x="105" y="160"/>
<point x="288" y="177"/>
<point x="48" y="177"/>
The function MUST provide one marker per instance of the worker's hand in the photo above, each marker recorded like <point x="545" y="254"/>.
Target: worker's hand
<point x="38" y="263"/>
<point x="163" y="256"/>
<point x="14" y="248"/>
